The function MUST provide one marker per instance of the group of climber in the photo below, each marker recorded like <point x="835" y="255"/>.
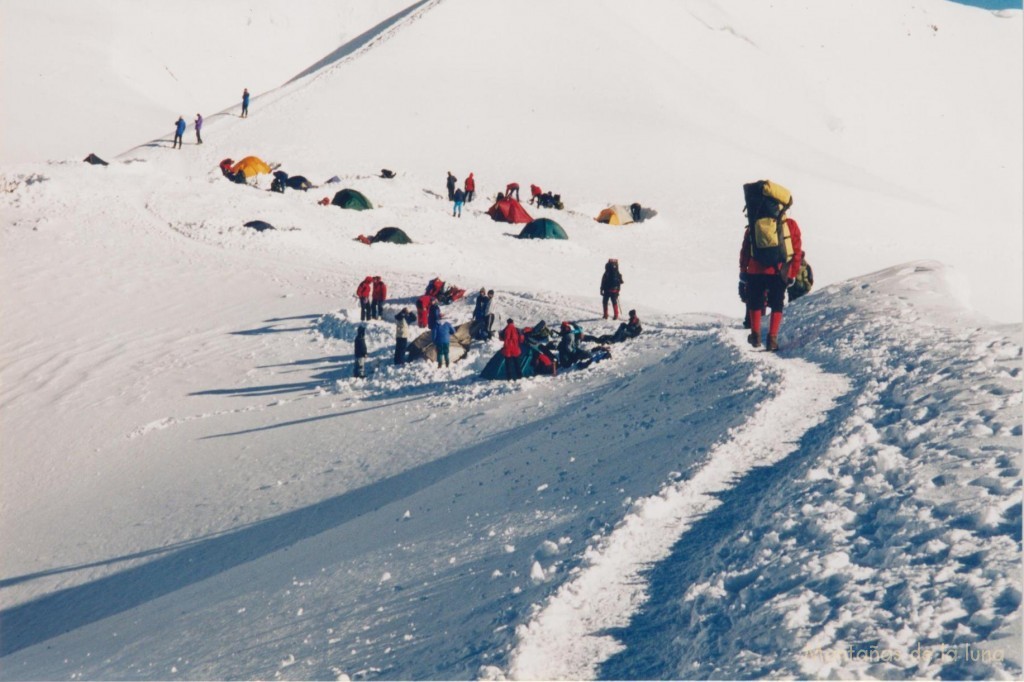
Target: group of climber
<point x="536" y="340"/>
<point x="772" y="265"/>
<point x="372" y="293"/>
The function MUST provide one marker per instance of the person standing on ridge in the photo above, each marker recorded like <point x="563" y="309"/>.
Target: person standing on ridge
<point x="470" y="187"/>
<point x="450" y="183"/>
<point x="611" y="282"/>
<point x="179" y="130"/>
<point x="199" y="128"/>
<point x="769" y="281"/>
<point x="245" y="103"/>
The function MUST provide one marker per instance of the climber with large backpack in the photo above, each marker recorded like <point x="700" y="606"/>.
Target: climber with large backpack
<point x="769" y="257"/>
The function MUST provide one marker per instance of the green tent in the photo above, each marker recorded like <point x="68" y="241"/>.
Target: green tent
<point x="392" y="235"/>
<point x="495" y="368"/>
<point x="350" y="198"/>
<point x="543" y="228"/>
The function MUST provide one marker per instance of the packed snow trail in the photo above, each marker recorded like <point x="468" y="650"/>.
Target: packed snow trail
<point x="566" y="640"/>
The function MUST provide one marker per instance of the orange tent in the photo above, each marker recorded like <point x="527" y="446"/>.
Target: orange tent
<point x="251" y="165"/>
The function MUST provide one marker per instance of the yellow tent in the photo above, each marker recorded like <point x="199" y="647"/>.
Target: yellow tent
<point x="615" y="215"/>
<point x="251" y="165"/>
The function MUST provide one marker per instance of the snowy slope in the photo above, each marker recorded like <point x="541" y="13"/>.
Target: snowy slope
<point x="195" y="487"/>
<point x="100" y="77"/>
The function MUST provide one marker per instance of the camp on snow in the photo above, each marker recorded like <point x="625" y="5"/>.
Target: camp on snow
<point x="616" y="215"/>
<point x="543" y="228"/>
<point x="350" y="198"/>
<point x="250" y="166"/>
<point x="95" y="160"/>
<point x="508" y="211"/>
<point x="390" y="235"/>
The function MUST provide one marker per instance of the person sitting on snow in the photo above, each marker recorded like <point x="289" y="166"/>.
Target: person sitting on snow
<point x="626" y="330"/>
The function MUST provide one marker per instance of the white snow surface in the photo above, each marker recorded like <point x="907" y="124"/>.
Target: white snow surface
<point x="194" y="486"/>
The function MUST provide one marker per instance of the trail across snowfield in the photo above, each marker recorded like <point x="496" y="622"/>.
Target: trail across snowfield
<point x="567" y="639"/>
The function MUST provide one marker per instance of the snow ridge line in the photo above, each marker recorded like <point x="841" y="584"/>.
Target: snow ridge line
<point x="562" y="640"/>
<point x="368" y="39"/>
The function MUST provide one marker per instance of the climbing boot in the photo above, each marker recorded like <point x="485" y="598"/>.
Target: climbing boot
<point x="773" y="343"/>
<point x="754" y="339"/>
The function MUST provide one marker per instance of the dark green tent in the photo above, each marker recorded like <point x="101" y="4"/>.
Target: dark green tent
<point x="543" y="228"/>
<point x="350" y="198"/>
<point x="495" y="368"/>
<point x="259" y="225"/>
<point x="392" y="235"/>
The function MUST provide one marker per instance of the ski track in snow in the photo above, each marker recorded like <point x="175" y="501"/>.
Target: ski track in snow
<point x="564" y="641"/>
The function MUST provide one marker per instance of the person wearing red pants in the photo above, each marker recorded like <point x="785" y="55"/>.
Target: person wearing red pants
<point x="768" y="281"/>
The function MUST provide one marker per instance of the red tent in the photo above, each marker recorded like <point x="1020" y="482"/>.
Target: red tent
<point x="509" y="211"/>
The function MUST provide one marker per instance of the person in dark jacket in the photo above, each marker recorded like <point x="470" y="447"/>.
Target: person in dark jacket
<point x="442" y="338"/>
<point x="470" y="188"/>
<point x="450" y="183"/>
<point x="199" y="128"/>
<point x="459" y="198"/>
<point x="179" y="130"/>
<point x="628" y="330"/>
<point x="359" y="371"/>
<point x="483" y="318"/>
<point x="379" y="294"/>
<point x="611" y="283"/>
<point x="245" y="103"/>
<point x="433" y="314"/>
<point x="569" y="344"/>
<point x="364" y="293"/>
<point x="512" y="350"/>
<point x="403" y="319"/>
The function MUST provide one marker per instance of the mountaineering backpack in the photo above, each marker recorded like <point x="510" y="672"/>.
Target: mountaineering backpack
<point x="766" y="205"/>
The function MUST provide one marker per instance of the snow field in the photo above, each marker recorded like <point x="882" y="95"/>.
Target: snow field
<point x="195" y="487"/>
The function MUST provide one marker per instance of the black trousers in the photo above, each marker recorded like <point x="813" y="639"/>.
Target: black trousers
<point x="512" y="369"/>
<point x="400" y="346"/>
<point x="761" y="288"/>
